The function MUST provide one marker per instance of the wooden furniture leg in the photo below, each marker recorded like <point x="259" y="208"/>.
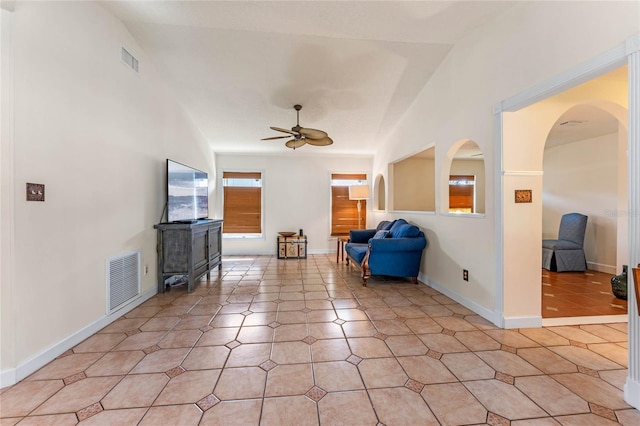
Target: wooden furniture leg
<point x="341" y="241"/>
<point x="366" y="272"/>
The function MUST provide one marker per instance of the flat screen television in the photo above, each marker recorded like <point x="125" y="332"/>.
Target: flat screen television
<point x="187" y="193"/>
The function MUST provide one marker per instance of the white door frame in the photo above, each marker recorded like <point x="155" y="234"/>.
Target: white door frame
<point x="627" y="53"/>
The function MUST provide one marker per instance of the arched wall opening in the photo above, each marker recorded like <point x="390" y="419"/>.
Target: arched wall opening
<point x="413" y="182"/>
<point x="462" y="179"/>
<point x="525" y="133"/>
<point x="379" y="194"/>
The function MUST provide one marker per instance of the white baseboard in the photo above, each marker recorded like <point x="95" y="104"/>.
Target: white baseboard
<point x="533" y="321"/>
<point x="14" y="375"/>
<point x="600" y="267"/>
<point x="632" y="392"/>
<point x="485" y="313"/>
<point x="248" y="253"/>
<point x="270" y="252"/>
<point x="323" y="251"/>
<point x="601" y="319"/>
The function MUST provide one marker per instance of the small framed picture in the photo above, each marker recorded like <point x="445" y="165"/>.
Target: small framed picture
<point x="523" y="195"/>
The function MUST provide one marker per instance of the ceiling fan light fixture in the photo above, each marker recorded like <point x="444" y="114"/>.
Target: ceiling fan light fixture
<point x="295" y="143"/>
<point x="300" y="135"/>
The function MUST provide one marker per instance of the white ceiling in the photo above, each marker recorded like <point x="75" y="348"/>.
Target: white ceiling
<point x="579" y="123"/>
<point x="238" y="67"/>
<point x="584" y="121"/>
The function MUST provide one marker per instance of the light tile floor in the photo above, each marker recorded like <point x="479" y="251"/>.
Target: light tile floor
<point x="297" y="342"/>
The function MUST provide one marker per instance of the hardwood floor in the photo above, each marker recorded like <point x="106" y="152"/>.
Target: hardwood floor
<point x="576" y="294"/>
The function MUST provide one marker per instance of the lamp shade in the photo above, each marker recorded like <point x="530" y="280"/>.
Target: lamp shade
<point x="358" y="192"/>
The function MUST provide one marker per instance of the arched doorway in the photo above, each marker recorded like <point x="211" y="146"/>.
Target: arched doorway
<point x="585" y="171"/>
<point x="514" y="309"/>
<point x="524" y="135"/>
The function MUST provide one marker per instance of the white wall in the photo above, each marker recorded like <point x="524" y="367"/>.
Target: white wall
<point x="498" y="61"/>
<point x="296" y="193"/>
<point x="97" y="135"/>
<point x="583" y="177"/>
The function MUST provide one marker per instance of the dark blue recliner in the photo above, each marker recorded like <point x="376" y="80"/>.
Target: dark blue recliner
<point x="392" y="249"/>
<point x="567" y="252"/>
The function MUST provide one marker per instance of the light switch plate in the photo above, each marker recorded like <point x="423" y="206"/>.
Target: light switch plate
<point x="35" y="192"/>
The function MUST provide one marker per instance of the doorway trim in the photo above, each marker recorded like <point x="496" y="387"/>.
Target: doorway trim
<point x="627" y="53"/>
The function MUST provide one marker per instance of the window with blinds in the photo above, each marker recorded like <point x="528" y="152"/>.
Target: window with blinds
<point x="242" y="203"/>
<point x="462" y="193"/>
<point x="344" y="212"/>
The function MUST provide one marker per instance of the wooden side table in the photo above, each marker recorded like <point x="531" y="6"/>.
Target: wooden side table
<point x="341" y="240"/>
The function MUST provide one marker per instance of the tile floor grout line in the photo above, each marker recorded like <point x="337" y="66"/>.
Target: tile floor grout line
<point x="386" y="289"/>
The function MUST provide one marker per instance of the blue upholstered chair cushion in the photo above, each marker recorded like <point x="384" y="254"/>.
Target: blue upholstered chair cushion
<point x="384" y="225"/>
<point x="560" y="245"/>
<point x="381" y="234"/>
<point x="406" y="231"/>
<point x="572" y="228"/>
<point x="566" y="253"/>
<point x="361" y="236"/>
<point x="388" y="225"/>
<point x="356" y="251"/>
<point x="396" y="224"/>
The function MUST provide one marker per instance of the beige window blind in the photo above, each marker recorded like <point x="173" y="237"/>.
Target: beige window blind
<point x="242" y="210"/>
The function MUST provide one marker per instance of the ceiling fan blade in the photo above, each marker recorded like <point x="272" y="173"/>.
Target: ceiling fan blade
<point x="295" y="143"/>
<point x="275" y="137"/>
<point x="320" y="142"/>
<point x="313" y="133"/>
<point x="280" y="129"/>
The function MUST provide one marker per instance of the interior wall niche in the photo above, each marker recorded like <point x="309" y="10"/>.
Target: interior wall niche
<point x="380" y="193"/>
<point x="465" y="179"/>
<point x="414" y="184"/>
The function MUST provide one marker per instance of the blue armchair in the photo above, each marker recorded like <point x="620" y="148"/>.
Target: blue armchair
<point x="567" y="252"/>
<point x="393" y="249"/>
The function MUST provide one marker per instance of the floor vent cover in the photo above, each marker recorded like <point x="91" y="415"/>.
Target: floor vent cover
<point x="123" y="279"/>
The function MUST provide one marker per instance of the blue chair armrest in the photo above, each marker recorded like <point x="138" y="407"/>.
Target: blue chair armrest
<point x="361" y="235"/>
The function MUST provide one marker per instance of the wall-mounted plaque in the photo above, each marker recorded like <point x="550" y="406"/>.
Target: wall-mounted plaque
<point x="523" y="195"/>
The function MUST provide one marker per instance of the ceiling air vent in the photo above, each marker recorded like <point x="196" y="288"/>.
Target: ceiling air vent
<point x="572" y="123"/>
<point x="129" y="59"/>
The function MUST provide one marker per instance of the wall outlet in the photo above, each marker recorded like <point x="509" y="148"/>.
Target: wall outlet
<point x="465" y="275"/>
<point x="146" y="269"/>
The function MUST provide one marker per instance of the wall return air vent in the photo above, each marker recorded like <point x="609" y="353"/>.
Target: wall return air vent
<point x="123" y="280"/>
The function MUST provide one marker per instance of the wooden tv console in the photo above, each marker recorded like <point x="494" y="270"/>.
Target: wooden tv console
<point x="191" y="249"/>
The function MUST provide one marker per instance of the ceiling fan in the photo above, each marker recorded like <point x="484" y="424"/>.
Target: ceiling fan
<point x="301" y="135"/>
